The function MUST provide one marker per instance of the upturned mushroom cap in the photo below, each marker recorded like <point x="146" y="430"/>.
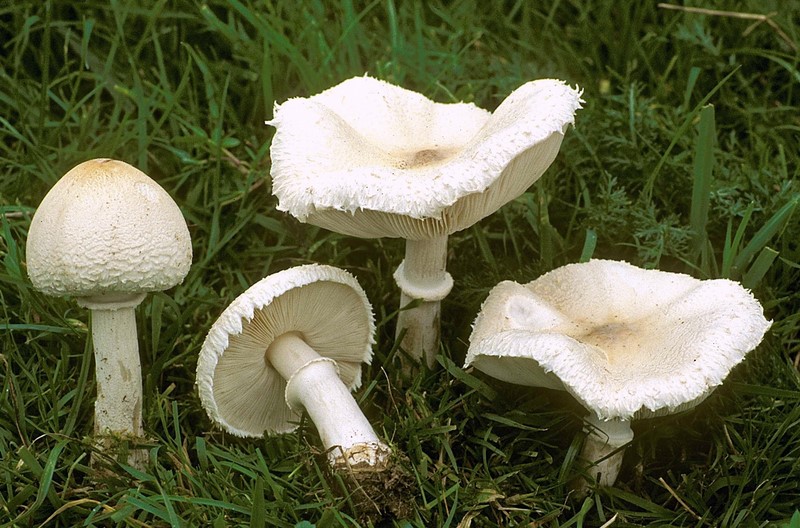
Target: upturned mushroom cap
<point x="370" y="159"/>
<point x="238" y="387"/>
<point x="107" y="228"/>
<point x="626" y="342"/>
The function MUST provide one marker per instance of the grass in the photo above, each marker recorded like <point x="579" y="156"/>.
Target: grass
<point x="684" y="158"/>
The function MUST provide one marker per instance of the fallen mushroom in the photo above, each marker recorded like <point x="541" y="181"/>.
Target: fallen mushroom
<point x="369" y="159"/>
<point x="107" y="234"/>
<point x="294" y="342"/>
<point x="628" y="343"/>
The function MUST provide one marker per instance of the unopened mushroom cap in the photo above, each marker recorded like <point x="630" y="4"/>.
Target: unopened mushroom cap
<point x="106" y="227"/>
<point x="238" y="387"/>
<point x="625" y="341"/>
<point x="370" y="159"/>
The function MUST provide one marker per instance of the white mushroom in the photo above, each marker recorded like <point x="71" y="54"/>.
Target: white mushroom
<point x="107" y="234"/>
<point x="628" y="343"/>
<point x="294" y="341"/>
<point x="369" y="159"/>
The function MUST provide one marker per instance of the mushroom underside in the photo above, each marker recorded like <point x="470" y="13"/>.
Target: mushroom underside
<point x="248" y="392"/>
<point x="624" y="345"/>
<point x="462" y="210"/>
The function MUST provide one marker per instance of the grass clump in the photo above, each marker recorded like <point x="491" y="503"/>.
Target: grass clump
<point x="649" y="174"/>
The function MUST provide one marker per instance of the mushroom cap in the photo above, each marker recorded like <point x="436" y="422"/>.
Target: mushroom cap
<point x="239" y="388"/>
<point x="107" y="228"/>
<point x="370" y="159"/>
<point x="625" y="341"/>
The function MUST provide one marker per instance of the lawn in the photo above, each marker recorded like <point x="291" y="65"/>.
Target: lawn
<point x="684" y="112"/>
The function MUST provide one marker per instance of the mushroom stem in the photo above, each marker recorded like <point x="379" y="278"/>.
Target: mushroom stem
<point x="422" y="275"/>
<point x="118" y="408"/>
<point x="604" y="437"/>
<point x="313" y="384"/>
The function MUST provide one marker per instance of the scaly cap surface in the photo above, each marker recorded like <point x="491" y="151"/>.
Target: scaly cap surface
<point x="106" y="227"/>
<point x="625" y="341"/>
<point x="370" y="159"/>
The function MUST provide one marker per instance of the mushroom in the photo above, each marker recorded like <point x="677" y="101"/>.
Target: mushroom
<point x="628" y="343"/>
<point x="107" y="234"/>
<point x="294" y="342"/>
<point x="370" y="159"/>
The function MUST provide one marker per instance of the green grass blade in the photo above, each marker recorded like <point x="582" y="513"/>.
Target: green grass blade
<point x="761" y="390"/>
<point x="483" y="245"/>
<point x="23" y="327"/>
<point x="647" y="192"/>
<point x="45" y="476"/>
<point x="589" y="245"/>
<point x="730" y="251"/>
<point x="762" y="237"/>
<point x="467" y="379"/>
<point x="694" y="73"/>
<point x="760" y="267"/>
<point x="701" y="191"/>
<point x="257" y="518"/>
